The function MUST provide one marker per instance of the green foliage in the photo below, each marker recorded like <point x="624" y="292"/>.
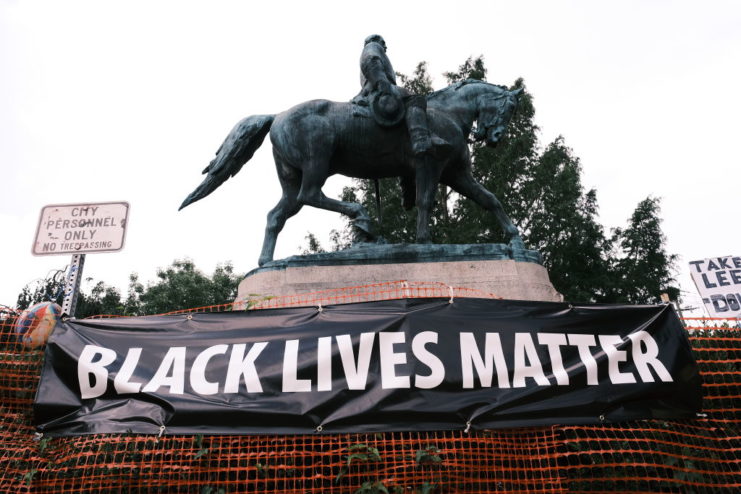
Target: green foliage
<point x="420" y="82"/>
<point x="428" y="456"/>
<point x="212" y="490"/>
<point x="362" y="453"/>
<point x="44" y="443"/>
<point x="644" y="267"/>
<point x="427" y="488"/>
<point x="102" y="299"/>
<point x="372" y="488"/>
<point x="29" y="476"/>
<point x="541" y="190"/>
<point x="50" y="288"/>
<point x="359" y="453"/>
<point x="472" y="68"/>
<point x="313" y="246"/>
<point x="262" y="470"/>
<point x="180" y="286"/>
<point x="202" y="450"/>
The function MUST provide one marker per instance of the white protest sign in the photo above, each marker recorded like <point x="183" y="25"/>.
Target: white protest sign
<point x="718" y="279"/>
<point x="81" y="228"/>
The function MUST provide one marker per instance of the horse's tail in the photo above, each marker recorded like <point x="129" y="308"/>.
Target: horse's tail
<point x="237" y="149"/>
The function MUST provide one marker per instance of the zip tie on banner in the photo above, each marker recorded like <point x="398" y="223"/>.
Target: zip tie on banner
<point x="468" y="427"/>
<point x="450" y="289"/>
<point x="319" y="306"/>
<point x="405" y="285"/>
<point x="162" y="431"/>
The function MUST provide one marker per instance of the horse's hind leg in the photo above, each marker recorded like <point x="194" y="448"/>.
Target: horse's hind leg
<point x="287" y="206"/>
<point x="425" y="195"/>
<point x="466" y="185"/>
<point x="426" y="177"/>
<point x="311" y="194"/>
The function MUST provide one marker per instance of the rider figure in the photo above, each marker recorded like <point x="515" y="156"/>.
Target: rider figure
<point x="388" y="101"/>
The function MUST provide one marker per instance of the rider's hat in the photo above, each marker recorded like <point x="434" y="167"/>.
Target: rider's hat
<point x="375" y="38"/>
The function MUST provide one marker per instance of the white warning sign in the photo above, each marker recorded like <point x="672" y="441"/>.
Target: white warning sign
<point x="81" y="228"/>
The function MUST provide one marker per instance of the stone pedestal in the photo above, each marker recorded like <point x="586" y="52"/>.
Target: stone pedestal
<point x="490" y="268"/>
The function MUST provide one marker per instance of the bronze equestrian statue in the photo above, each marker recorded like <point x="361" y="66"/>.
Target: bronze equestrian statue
<point x="317" y="139"/>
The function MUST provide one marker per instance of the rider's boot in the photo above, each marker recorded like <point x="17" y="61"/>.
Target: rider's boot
<point x="419" y="131"/>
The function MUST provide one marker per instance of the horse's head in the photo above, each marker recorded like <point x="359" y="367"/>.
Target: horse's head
<point x="495" y="112"/>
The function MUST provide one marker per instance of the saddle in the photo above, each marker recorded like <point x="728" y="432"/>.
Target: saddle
<point x="385" y="106"/>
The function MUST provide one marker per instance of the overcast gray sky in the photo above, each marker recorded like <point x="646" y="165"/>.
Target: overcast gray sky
<point x="128" y="101"/>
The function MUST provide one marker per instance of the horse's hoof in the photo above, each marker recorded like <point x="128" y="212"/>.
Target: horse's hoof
<point x="264" y="260"/>
<point x="516" y="243"/>
<point x="363" y="238"/>
<point x="362" y="230"/>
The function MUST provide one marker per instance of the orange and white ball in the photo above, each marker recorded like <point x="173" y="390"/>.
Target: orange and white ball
<point x="36" y="324"/>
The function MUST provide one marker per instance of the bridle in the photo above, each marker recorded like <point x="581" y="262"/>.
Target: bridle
<point x="484" y="126"/>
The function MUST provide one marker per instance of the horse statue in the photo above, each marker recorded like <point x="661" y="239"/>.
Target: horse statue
<point x="317" y="139"/>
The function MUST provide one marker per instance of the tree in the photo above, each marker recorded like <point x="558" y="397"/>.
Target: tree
<point x="180" y="286"/>
<point x="472" y="68"/>
<point x="102" y="299"/>
<point x="420" y="82"/>
<point x="50" y="288"/>
<point x="183" y="286"/>
<point x="313" y="246"/>
<point x="643" y="268"/>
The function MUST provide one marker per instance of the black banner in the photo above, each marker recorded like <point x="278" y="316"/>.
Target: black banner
<point x="420" y="364"/>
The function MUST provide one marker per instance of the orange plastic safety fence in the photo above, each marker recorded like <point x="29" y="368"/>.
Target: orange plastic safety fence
<point x="701" y="455"/>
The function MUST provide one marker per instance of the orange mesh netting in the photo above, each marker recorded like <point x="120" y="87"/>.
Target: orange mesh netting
<point x="701" y="455"/>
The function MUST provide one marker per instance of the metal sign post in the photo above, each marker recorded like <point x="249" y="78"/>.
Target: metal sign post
<point x="72" y="287"/>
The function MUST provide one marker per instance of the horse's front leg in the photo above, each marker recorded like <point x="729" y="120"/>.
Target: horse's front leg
<point x="426" y="180"/>
<point x="467" y="186"/>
